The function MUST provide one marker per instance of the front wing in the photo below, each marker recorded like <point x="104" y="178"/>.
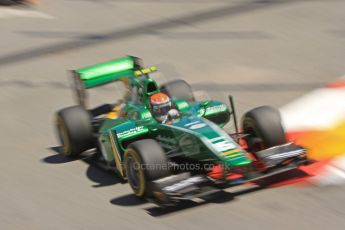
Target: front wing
<point x="172" y="189"/>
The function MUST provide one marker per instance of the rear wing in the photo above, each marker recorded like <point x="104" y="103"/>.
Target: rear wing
<point x="106" y="72"/>
<point x="122" y="69"/>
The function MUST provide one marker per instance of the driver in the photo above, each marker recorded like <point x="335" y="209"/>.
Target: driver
<point x="161" y="108"/>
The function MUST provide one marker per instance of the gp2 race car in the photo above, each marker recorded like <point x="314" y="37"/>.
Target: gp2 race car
<point x="184" y="156"/>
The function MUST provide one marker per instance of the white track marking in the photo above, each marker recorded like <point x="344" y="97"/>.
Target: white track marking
<point x="14" y="13"/>
<point x="321" y="109"/>
<point x="332" y="174"/>
<point x="339" y="163"/>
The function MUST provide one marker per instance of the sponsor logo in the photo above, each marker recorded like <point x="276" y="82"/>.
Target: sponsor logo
<point x="201" y="111"/>
<point x="215" y="109"/>
<point x="198" y="126"/>
<point x="130" y="131"/>
<point x="216" y="139"/>
<point x="224" y="146"/>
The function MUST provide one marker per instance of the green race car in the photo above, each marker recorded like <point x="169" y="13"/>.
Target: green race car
<point x="167" y="145"/>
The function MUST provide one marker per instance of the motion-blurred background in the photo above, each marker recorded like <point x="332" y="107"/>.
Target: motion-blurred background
<point x="261" y="51"/>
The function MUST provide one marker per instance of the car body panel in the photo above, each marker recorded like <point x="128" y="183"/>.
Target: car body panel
<point x="191" y="136"/>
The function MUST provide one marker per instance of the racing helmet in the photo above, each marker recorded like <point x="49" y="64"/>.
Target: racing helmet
<point x="160" y="105"/>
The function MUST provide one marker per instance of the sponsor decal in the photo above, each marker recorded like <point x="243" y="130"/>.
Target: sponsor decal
<point x="216" y="139"/>
<point x="198" y="126"/>
<point x="201" y="112"/>
<point x="146" y="115"/>
<point x="215" y="109"/>
<point x="130" y="131"/>
<point x="224" y="145"/>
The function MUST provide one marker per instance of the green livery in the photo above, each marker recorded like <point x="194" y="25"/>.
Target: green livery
<point x="107" y="72"/>
<point x="138" y="123"/>
<point x="126" y="132"/>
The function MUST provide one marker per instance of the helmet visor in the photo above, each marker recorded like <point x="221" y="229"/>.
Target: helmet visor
<point x="161" y="111"/>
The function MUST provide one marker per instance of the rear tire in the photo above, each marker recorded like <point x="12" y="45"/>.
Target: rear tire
<point x="75" y="130"/>
<point x="145" y="161"/>
<point x="179" y="89"/>
<point x="264" y="126"/>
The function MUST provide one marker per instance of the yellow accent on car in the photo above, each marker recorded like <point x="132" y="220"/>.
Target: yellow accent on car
<point x="142" y="183"/>
<point x="148" y="70"/>
<point x="231" y="151"/>
<point x="64" y="136"/>
<point x="116" y="154"/>
<point x="138" y="73"/>
<point x="234" y="155"/>
<point x="114" y="113"/>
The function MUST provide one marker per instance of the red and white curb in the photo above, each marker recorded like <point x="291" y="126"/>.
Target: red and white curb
<point x="332" y="174"/>
<point x="312" y="117"/>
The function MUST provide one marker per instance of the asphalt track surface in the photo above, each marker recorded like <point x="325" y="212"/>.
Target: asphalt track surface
<point x="262" y="52"/>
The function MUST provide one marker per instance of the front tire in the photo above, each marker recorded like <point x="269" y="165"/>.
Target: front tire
<point x="74" y="130"/>
<point x="145" y="161"/>
<point x="264" y="126"/>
